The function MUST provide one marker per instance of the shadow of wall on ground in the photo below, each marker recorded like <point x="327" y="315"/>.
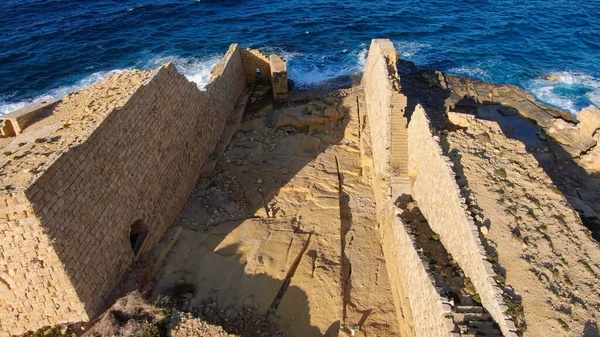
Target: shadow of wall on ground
<point x="288" y="166"/>
<point x="574" y="182"/>
<point x="245" y="322"/>
<point x="429" y="88"/>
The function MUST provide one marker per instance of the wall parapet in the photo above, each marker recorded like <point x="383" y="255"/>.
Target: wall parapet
<point x="440" y="201"/>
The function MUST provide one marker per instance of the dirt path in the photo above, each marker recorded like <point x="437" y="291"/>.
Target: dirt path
<point x="286" y="227"/>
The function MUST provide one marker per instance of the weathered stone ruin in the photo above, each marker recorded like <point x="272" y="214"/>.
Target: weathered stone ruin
<point x="339" y="213"/>
<point x="99" y="181"/>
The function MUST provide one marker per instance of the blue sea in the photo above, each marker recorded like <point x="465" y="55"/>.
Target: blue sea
<point x="49" y="48"/>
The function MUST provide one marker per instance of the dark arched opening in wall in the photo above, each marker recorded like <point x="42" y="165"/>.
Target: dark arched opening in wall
<point x="258" y="74"/>
<point x="137" y="236"/>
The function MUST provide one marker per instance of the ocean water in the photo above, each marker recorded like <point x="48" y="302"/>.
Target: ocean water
<point x="49" y="48"/>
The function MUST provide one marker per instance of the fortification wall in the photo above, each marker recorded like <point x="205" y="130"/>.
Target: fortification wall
<point x="253" y="59"/>
<point x="412" y="283"/>
<point x="69" y="233"/>
<point x="35" y="290"/>
<point x="386" y="105"/>
<point x="440" y="201"/>
<point x="378" y="96"/>
<point x="420" y="308"/>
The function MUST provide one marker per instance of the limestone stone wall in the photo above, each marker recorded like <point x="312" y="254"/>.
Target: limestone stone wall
<point x="253" y="59"/>
<point x="67" y="237"/>
<point x="279" y="78"/>
<point x="425" y="312"/>
<point x="378" y="95"/>
<point x="35" y="289"/>
<point x="440" y="201"/>
<point x="386" y="106"/>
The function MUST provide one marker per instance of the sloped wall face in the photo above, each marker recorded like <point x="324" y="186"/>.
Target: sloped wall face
<point x="34" y="287"/>
<point x="439" y="199"/>
<point x="413" y="287"/>
<point x="110" y="199"/>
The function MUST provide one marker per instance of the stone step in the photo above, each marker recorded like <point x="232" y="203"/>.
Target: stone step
<point x="468" y="309"/>
<point x="485" y="327"/>
<point x="463" y="318"/>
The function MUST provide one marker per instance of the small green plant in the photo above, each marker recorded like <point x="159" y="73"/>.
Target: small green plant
<point x="22" y="144"/>
<point x="9" y="187"/>
<point x="164" y="312"/>
<point x="151" y="331"/>
<point x="554" y="289"/>
<point x="39" y="140"/>
<point x="66" y="125"/>
<point x="556" y="190"/>
<point x="501" y="173"/>
<point x="434" y="237"/>
<point x="45" y="332"/>
<point x="476" y="299"/>
<point x="492" y="257"/>
<point x="515" y="310"/>
<point x="563" y="324"/>
<point x="7" y="153"/>
<point x="500" y="279"/>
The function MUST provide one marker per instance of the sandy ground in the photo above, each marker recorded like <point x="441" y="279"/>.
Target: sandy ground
<point x="548" y="258"/>
<point x="285" y="228"/>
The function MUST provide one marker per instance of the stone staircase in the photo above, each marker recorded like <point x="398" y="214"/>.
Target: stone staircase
<point x="474" y="321"/>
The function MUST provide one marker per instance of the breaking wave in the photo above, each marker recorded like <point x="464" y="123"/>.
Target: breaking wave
<point x="307" y="69"/>
<point x="304" y="69"/>
<point x="197" y="70"/>
<point x="7" y="106"/>
<point x="570" y="91"/>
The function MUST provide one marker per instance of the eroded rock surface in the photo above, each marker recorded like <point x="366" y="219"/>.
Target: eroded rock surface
<point x="285" y="227"/>
<point x="548" y="259"/>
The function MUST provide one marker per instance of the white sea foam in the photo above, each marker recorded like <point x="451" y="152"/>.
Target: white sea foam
<point x="7" y="106"/>
<point x="571" y="92"/>
<point x="309" y="69"/>
<point x="474" y="72"/>
<point x="412" y="51"/>
<point x="284" y="54"/>
<point x="362" y="58"/>
<point x="195" y="69"/>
